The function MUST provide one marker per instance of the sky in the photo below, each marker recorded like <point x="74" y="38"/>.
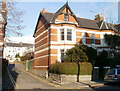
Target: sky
<point x="81" y="9"/>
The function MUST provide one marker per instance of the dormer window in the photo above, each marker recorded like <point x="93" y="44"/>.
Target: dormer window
<point x="65" y="17"/>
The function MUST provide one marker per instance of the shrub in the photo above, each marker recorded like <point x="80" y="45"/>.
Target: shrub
<point x="71" y="68"/>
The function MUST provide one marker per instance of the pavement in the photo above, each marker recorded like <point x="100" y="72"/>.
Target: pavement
<point x="68" y="85"/>
<point x="80" y="85"/>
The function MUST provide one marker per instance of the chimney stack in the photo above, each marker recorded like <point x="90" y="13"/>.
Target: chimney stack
<point x="99" y="17"/>
<point x="43" y="11"/>
<point x="3" y="11"/>
<point x="4" y="5"/>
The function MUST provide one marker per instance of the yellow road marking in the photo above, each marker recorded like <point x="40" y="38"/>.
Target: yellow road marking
<point x="46" y="81"/>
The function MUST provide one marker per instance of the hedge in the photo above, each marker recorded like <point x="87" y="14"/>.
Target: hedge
<point x="71" y="68"/>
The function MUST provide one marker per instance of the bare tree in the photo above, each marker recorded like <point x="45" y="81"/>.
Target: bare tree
<point x="14" y="21"/>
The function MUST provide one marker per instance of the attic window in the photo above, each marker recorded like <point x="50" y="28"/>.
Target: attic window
<point x="65" y="17"/>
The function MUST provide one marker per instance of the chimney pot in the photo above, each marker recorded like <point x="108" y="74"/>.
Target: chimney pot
<point x="99" y="17"/>
<point x="43" y="11"/>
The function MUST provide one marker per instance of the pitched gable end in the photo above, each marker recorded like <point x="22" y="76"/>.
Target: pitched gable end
<point x="64" y="15"/>
<point x="42" y="21"/>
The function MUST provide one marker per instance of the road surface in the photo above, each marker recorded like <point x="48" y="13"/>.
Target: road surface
<point x="15" y="78"/>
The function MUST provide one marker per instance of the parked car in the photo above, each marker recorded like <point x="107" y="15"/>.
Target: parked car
<point x="113" y="75"/>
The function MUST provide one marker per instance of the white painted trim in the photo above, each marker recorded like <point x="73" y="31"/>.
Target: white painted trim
<point x="101" y="25"/>
<point x="81" y="30"/>
<point x="106" y="25"/>
<point x="58" y="20"/>
<point x="62" y="27"/>
<point x="78" y="36"/>
<point x="1" y="43"/>
<point x="53" y="34"/>
<point x="41" y="46"/>
<point x="41" y="40"/>
<point x="61" y="47"/>
<point x="40" y="66"/>
<point x="41" y="27"/>
<point x="42" y="50"/>
<point x="111" y="27"/>
<point x="61" y="21"/>
<point x="106" y="32"/>
<point x="46" y="56"/>
<point x="53" y="54"/>
<point x="42" y="33"/>
<point x="66" y="22"/>
<point x="65" y="41"/>
<point x="41" y="56"/>
<point x="1" y="33"/>
<point x="62" y="42"/>
<point x="83" y="38"/>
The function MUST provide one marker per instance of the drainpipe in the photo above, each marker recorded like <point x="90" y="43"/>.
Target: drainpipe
<point x="48" y="51"/>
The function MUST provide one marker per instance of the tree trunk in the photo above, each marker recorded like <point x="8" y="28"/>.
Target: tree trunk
<point x="78" y="71"/>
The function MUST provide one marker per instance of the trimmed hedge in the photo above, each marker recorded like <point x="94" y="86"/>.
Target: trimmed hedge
<point x="71" y="68"/>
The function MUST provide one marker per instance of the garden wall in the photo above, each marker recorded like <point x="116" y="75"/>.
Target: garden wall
<point x="69" y="78"/>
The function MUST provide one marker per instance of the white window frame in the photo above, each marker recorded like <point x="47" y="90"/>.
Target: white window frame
<point x="70" y="30"/>
<point x="73" y="35"/>
<point x="66" y="17"/>
<point x="93" y="39"/>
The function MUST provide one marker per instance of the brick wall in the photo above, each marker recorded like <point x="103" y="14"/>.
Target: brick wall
<point x="3" y="14"/>
<point x="41" y="45"/>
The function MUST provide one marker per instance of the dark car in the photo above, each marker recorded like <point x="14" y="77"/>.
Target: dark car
<point x="113" y="75"/>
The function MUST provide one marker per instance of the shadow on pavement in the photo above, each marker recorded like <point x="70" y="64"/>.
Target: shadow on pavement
<point x="108" y="87"/>
<point x="9" y="78"/>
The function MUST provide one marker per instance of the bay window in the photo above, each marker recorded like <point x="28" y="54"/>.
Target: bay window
<point x="62" y="34"/>
<point x="69" y="34"/>
<point x="66" y="34"/>
<point x="93" y="38"/>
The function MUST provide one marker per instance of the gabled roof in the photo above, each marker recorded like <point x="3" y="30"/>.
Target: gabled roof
<point x="48" y="16"/>
<point x="19" y="45"/>
<point x="117" y="26"/>
<point x="60" y="12"/>
<point x="103" y="25"/>
<point x="87" y="23"/>
<point x="82" y="22"/>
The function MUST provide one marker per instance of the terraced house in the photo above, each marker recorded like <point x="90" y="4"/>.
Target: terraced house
<point x="57" y="32"/>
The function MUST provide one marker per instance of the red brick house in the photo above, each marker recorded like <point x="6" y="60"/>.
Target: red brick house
<point x="3" y="15"/>
<point x="59" y="31"/>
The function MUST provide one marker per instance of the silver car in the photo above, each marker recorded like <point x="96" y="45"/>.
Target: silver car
<point x="113" y="75"/>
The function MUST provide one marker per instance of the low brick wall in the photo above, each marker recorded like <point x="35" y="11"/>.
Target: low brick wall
<point x="69" y="78"/>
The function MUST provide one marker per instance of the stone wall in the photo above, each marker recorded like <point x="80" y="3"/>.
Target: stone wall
<point x="69" y="78"/>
